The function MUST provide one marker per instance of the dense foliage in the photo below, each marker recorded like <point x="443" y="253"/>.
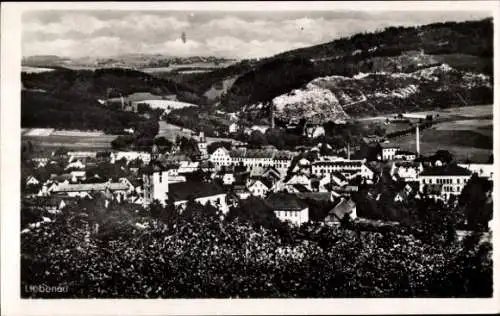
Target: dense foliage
<point x="103" y="253"/>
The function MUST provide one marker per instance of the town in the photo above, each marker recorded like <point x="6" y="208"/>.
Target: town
<point x="282" y="154"/>
<point x="224" y="177"/>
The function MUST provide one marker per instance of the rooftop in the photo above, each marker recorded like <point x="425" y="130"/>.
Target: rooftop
<point x="184" y="190"/>
<point x="285" y="201"/>
<point x="342" y="208"/>
<point x="448" y="170"/>
<point x="113" y="186"/>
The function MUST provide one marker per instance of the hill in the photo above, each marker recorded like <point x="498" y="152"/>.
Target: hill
<point x="96" y="84"/>
<point x="467" y="47"/>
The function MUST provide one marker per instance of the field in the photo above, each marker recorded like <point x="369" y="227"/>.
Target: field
<point x="171" y="131"/>
<point x="178" y="67"/>
<point x="457" y="113"/>
<point x="29" y="69"/>
<point x="466" y="132"/>
<point x="50" y="139"/>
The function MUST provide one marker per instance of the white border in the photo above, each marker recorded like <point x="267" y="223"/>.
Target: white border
<point x="10" y="173"/>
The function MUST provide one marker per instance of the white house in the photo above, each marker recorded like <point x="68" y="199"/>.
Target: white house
<point x="156" y="185"/>
<point x="221" y="157"/>
<point x="117" y="189"/>
<point x="289" y="208"/>
<point x="348" y="168"/>
<point x="406" y="171"/>
<point x="343" y="207"/>
<point x="388" y="151"/>
<point x="449" y="180"/>
<point x="31" y="180"/>
<point x="259" y="188"/>
<point x="404" y="155"/>
<point x="78" y="164"/>
<point x="201" y="192"/>
<point x="228" y="178"/>
<point x="130" y="156"/>
<point x="233" y="128"/>
<point x="482" y="170"/>
<point x="78" y="175"/>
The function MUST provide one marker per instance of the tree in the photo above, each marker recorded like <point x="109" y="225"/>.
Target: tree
<point x="213" y="146"/>
<point x="143" y="108"/>
<point x="122" y="142"/>
<point x="255" y="212"/>
<point x="257" y="139"/>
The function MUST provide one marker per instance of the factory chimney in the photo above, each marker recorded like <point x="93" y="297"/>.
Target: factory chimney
<point x="417" y="140"/>
<point x="272" y="115"/>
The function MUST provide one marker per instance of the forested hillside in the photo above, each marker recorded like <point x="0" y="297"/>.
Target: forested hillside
<point x="465" y="47"/>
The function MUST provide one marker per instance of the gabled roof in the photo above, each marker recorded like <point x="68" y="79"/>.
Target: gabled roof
<point x="404" y="152"/>
<point x="90" y="187"/>
<point x="448" y="170"/>
<point x="285" y="201"/>
<point x="317" y="196"/>
<point x="265" y="182"/>
<point x="342" y="208"/>
<point x="407" y="164"/>
<point x="301" y="188"/>
<point x="388" y="145"/>
<point x="184" y="190"/>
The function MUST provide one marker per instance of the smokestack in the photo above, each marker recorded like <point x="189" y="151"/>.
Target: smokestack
<point x="121" y="99"/>
<point x="272" y="116"/>
<point x="348" y="151"/>
<point x="418" y="140"/>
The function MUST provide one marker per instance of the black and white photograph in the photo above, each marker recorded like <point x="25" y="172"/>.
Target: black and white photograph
<point x="190" y="152"/>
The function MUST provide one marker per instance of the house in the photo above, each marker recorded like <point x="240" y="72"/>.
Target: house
<point x="348" y="168"/>
<point x="451" y="178"/>
<point x="241" y="191"/>
<point x="388" y="151"/>
<point x="298" y="188"/>
<point x="482" y="170"/>
<point x="316" y="196"/>
<point x="259" y="187"/>
<point x="156" y="184"/>
<point x="31" y="180"/>
<point x="54" y="204"/>
<point x="202" y="146"/>
<point x="272" y="174"/>
<point x="75" y="155"/>
<point x="343" y="207"/>
<point x="335" y="178"/>
<point x="134" y="184"/>
<point x="40" y="162"/>
<point x="404" y="155"/>
<point x="79" y="175"/>
<point x="299" y="179"/>
<point x="282" y="162"/>
<point x="289" y="208"/>
<point x="221" y="157"/>
<point x="201" y="192"/>
<point x="314" y="131"/>
<point x="130" y="156"/>
<point x="117" y="189"/>
<point x="228" y="178"/>
<point x="406" y="170"/>
<point x="233" y="128"/>
<point x="75" y="164"/>
<point x="188" y="167"/>
<point x="260" y="128"/>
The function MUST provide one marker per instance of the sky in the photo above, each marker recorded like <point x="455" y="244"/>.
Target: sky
<point x="230" y="34"/>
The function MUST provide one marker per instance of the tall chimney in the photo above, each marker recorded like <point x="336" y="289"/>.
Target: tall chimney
<point x="418" y="141"/>
<point x="272" y="115"/>
<point x="348" y="151"/>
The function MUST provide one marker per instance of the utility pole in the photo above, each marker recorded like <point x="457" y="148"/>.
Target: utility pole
<point x="417" y="140"/>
